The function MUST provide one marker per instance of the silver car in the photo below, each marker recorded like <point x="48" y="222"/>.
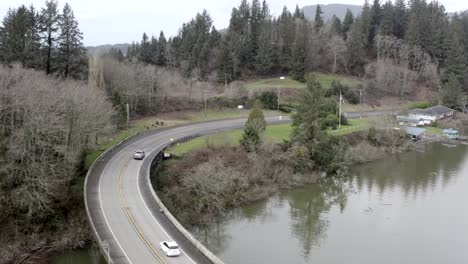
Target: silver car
<point x="139" y="155"/>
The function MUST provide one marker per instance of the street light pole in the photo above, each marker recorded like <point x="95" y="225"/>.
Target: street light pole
<point x="279" y="93"/>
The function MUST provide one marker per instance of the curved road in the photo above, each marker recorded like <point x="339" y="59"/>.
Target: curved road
<point x="121" y="208"/>
<point x="120" y="204"/>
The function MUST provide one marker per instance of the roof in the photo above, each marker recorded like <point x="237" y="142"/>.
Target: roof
<point x="172" y="244"/>
<point x="408" y="119"/>
<point x="435" y="110"/>
<point x="414" y="131"/>
<point x="450" y="131"/>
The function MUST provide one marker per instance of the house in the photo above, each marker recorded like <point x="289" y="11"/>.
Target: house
<point x="450" y="133"/>
<point x="415" y="133"/>
<point x="432" y="114"/>
<point x="410" y="121"/>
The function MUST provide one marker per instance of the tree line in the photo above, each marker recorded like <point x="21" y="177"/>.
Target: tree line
<point x="259" y="44"/>
<point x="44" y="39"/>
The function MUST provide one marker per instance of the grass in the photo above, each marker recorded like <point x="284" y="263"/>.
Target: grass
<point x="431" y="131"/>
<point x="273" y="133"/>
<point x="324" y="79"/>
<point x="171" y="119"/>
<point x="354" y="125"/>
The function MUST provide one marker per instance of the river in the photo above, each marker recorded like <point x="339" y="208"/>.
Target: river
<point x="406" y="208"/>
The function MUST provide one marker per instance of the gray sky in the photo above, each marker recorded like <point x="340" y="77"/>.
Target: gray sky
<point x="123" y="21"/>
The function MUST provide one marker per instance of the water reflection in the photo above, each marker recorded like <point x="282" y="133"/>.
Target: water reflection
<point x="372" y="216"/>
<point x="308" y="206"/>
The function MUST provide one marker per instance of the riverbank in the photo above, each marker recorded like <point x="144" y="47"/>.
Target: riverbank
<point x="364" y="216"/>
<point x="219" y="178"/>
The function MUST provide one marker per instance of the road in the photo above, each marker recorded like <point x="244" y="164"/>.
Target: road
<point x="121" y="208"/>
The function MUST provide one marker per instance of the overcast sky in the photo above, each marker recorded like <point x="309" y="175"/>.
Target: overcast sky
<point x="123" y="21"/>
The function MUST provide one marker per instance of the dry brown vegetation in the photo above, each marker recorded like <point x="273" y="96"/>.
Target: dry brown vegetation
<point x="208" y="182"/>
<point x="45" y="126"/>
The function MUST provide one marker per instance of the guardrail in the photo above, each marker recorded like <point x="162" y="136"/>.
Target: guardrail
<point x="198" y="245"/>
<point x="100" y="242"/>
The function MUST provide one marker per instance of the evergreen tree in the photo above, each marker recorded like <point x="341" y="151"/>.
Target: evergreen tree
<point x="452" y="93"/>
<point x="365" y="25"/>
<point x="161" y="52"/>
<point x="356" y="49"/>
<point x="400" y="20"/>
<point x="71" y="59"/>
<point x="455" y="63"/>
<point x="254" y="127"/>
<point x="388" y="18"/>
<point x="347" y="23"/>
<point x="154" y="50"/>
<point x="145" y="52"/>
<point x="336" y="27"/>
<point x="298" y="13"/>
<point x="49" y="26"/>
<point x="14" y="35"/>
<point x="299" y="53"/>
<point x="318" y="21"/>
<point x="33" y="40"/>
<point x="375" y="19"/>
<point x="264" y="58"/>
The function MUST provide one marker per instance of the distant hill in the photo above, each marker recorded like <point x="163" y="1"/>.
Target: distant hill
<point x="338" y="10"/>
<point x="105" y="48"/>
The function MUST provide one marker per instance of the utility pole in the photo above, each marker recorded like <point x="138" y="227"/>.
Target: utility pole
<point x="339" y="117"/>
<point x="225" y="83"/>
<point x="279" y="93"/>
<point x="360" y="103"/>
<point x="128" y="115"/>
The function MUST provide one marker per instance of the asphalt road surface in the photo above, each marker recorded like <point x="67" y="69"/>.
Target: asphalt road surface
<point x="121" y="208"/>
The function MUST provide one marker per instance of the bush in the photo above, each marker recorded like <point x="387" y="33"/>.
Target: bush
<point x="372" y="136"/>
<point x="344" y="120"/>
<point x="331" y="121"/>
<point x="421" y="105"/>
<point x="286" y="108"/>
<point x="269" y="100"/>
<point x="336" y="87"/>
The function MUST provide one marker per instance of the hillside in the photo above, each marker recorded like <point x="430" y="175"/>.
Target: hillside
<point x="338" y="10"/>
<point x="105" y="48"/>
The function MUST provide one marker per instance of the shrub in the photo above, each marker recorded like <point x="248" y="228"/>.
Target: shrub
<point x="331" y="121"/>
<point x="286" y="108"/>
<point x="269" y="100"/>
<point x="372" y="136"/>
<point x="336" y="87"/>
<point x="421" y="105"/>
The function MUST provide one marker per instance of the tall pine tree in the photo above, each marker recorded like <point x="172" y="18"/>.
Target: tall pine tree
<point x="71" y="57"/>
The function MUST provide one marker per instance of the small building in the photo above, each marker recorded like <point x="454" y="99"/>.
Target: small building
<point x="410" y="121"/>
<point x="415" y="133"/>
<point x="450" y="133"/>
<point x="432" y="114"/>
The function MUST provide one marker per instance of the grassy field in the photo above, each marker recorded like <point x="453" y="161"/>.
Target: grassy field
<point x="273" y="133"/>
<point x="288" y="83"/>
<point x="432" y="131"/>
<point x="152" y="123"/>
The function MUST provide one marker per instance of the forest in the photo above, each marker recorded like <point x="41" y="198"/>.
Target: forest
<point x="57" y="101"/>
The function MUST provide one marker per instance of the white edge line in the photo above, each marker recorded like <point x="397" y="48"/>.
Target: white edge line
<point x="104" y="213"/>
<point x="147" y="208"/>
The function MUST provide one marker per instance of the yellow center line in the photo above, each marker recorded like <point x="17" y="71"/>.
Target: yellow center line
<point x="154" y="252"/>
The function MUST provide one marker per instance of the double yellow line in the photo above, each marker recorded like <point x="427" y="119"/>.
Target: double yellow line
<point x="132" y="221"/>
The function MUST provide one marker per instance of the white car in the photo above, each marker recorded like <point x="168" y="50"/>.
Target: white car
<point x="139" y="155"/>
<point x="170" y="248"/>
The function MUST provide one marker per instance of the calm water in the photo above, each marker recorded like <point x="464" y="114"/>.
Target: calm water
<point x="410" y="208"/>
